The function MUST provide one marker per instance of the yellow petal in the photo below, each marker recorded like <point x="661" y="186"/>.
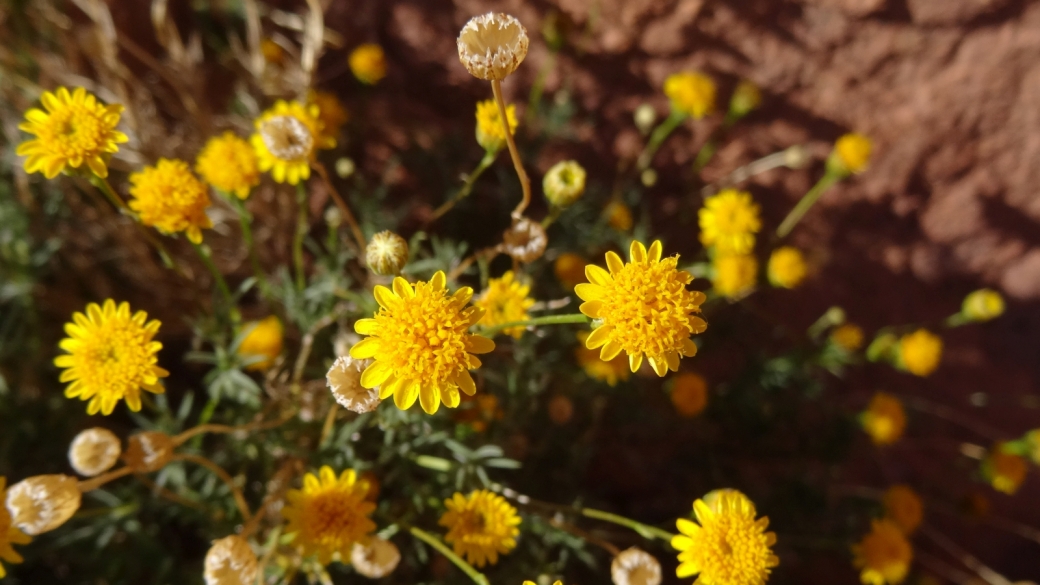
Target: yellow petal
<point x="589" y="292"/>
<point x="439" y="280"/>
<point x="465" y="383"/>
<point x="591" y="308"/>
<point x="672" y="359"/>
<point x="479" y="344"/>
<point x="614" y="262"/>
<point x="597" y="275"/>
<point x="659" y="365"/>
<point x="403" y="289"/>
<point x="375" y="374"/>
<point x="366" y="326"/>
<point x="429" y="399"/>
<point x="686" y="527"/>
<point x="406" y="393"/>
<point x="364" y="349"/>
<point x="637" y="252"/>
<point x="609" y="351"/>
<point x="655" y="251"/>
<point x="385" y="297"/>
<point x="598" y="337"/>
<point x="634" y="361"/>
<point x="689" y="348"/>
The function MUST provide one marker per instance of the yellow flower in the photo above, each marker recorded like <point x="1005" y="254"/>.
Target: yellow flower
<point x="329" y="514"/>
<point x="605" y="371"/>
<point x="852" y="153"/>
<point x="75" y="130"/>
<point x="619" y="216"/>
<point x="506" y="300"/>
<point x="480" y="526"/>
<point x="368" y="63"/>
<point x="848" y="337"/>
<point x="8" y="533"/>
<point x="746" y="97"/>
<point x="272" y="51"/>
<point x="169" y="198"/>
<point x="228" y="163"/>
<point x="786" y="267"/>
<point x="884" y="419"/>
<point x="533" y="583"/>
<point x="884" y="555"/>
<point x="692" y="93"/>
<point x="111" y="356"/>
<point x="729" y="221"/>
<point x="262" y="338"/>
<point x="726" y="545"/>
<point x="983" y="305"/>
<point x="735" y="275"/>
<point x="491" y="134"/>
<point x="920" y="352"/>
<point x="569" y="269"/>
<point x="642" y="308"/>
<point x="330" y="111"/>
<point x="420" y="344"/>
<point x="689" y="394"/>
<point x="564" y="183"/>
<point x="903" y="506"/>
<point x="1004" y="471"/>
<point x="286" y="139"/>
<point x="1033" y="444"/>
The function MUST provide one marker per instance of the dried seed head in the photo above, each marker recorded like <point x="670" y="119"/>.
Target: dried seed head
<point x="525" y="241"/>
<point x="42" y="503"/>
<point x="94" y="451"/>
<point x="376" y="558"/>
<point x="386" y="253"/>
<point x="344" y="379"/>
<point x="635" y="567"/>
<point x="286" y="137"/>
<point x="492" y="45"/>
<point x="149" y="451"/>
<point x="230" y="561"/>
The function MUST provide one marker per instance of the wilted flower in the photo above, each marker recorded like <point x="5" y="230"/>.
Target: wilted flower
<point x="386" y="253"/>
<point x="492" y="45"/>
<point x="94" y="451"/>
<point x="564" y="183"/>
<point x="480" y="526"/>
<point x="692" y="93"/>
<point x="920" y="352"/>
<point x="344" y="379"/>
<point x="635" y="567"/>
<point x="262" y="338"/>
<point x="983" y="305"/>
<point x="884" y="420"/>
<point x="689" y="393"/>
<point x="230" y="561"/>
<point x="884" y="555"/>
<point x="786" y="267"/>
<point x="286" y="139"/>
<point x="42" y="503"/>
<point x="525" y="241"/>
<point x="9" y="534"/>
<point x="368" y="63"/>
<point x="851" y="154"/>
<point x="375" y="558"/>
<point x="491" y="133"/>
<point x="171" y="199"/>
<point x="148" y="451"/>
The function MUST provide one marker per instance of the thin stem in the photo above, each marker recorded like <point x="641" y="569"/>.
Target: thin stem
<point x="644" y="530"/>
<point x="348" y="215"/>
<point x="525" y="182"/>
<point x="110" y="193"/>
<point x="272" y="545"/>
<point x="785" y="157"/>
<point x="546" y="320"/>
<point x="240" y="501"/>
<point x="301" y="232"/>
<point x="657" y="137"/>
<point x="467" y="187"/>
<point x="245" y="222"/>
<point x="950" y="415"/>
<point x="554" y="214"/>
<point x="436" y="543"/>
<point x="182" y="438"/>
<point x="96" y="482"/>
<point x="705" y="154"/>
<point x="806" y="203"/>
<point x="218" y="278"/>
<point x="570" y="529"/>
<point x="165" y="493"/>
<point x="330" y="422"/>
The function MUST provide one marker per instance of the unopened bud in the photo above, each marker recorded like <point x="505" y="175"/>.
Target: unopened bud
<point x="644" y="117"/>
<point x="148" y="451"/>
<point x="387" y="253"/>
<point x="564" y="183"/>
<point x="230" y="561"/>
<point x="94" y="451"/>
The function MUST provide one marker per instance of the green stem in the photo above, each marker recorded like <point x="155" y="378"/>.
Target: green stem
<point x="956" y="320"/>
<point x="301" y="231"/>
<point x="663" y="130"/>
<point x="554" y="214"/>
<point x="808" y="200"/>
<point x="104" y="187"/>
<point x="218" y="278"/>
<point x="644" y="530"/>
<point x="245" y="220"/>
<point x="442" y="548"/>
<point x="705" y="154"/>
<point x="467" y="187"/>
<point x="546" y="320"/>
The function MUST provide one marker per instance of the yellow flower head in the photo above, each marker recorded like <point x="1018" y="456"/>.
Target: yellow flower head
<point x="368" y="63"/>
<point x="263" y="338"/>
<point x="848" y="337"/>
<point x="74" y="130"/>
<point x="569" y="269"/>
<point x="420" y="344"/>
<point x="786" y="267"/>
<point x="884" y="419"/>
<point x="1004" y="471"/>
<point x="642" y="308"/>
<point x="533" y="583"/>
<point x="1033" y="444"/>
<point x="729" y="221"/>
<point x="920" y="352"/>
<point x="689" y="394"/>
<point x="228" y="163"/>
<point x="171" y="199"/>
<point x="491" y="134"/>
<point x="852" y="153"/>
<point x="692" y="93"/>
<point x="329" y="514"/>
<point x="983" y="305"/>
<point x="903" y="506"/>
<point x="330" y="111"/>
<point x="480" y="526"/>
<point x="735" y="275"/>
<point x="8" y="533"/>
<point x="605" y="371"/>
<point x="111" y="356"/>
<point x="727" y="545"/>
<point x="884" y="555"/>
<point x="618" y="216"/>
<point x="286" y="139"/>
<point x="505" y="300"/>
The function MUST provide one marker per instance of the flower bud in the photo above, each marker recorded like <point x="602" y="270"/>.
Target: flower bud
<point x="564" y="183"/>
<point x="635" y="567"/>
<point x="263" y="338"/>
<point x="344" y="379"/>
<point x="786" y="267"/>
<point x="491" y="46"/>
<point x="376" y="558"/>
<point x="746" y="97"/>
<point x="148" y="451"/>
<point x="386" y="253"/>
<point x="345" y="167"/>
<point x="983" y="305"/>
<point x="94" y="451"/>
<point x="42" y="503"/>
<point x="368" y="63"/>
<point x="230" y="561"/>
<point x="691" y="93"/>
<point x="644" y="117"/>
<point x="851" y="154"/>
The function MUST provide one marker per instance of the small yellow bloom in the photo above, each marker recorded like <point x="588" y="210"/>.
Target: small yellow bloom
<point x="692" y="93"/>
<point x="491" y="133"/>
<point x="262" y="338"/>
<point x="735" y="275"/>
<point x="903" y="506"/>
<point x="729" y="221"/>
<point x="564" y="183"/>
<point x="786" y="267"/>
<point x="287" y="137"/>
<point x="228" y="163"/>
<point x="597" y="369"/>
<point x="111" y="356"/>
<point x="689" y="394"/>
<point x="983" y="305"/>
<point x="8" y="533"/>
<point x="746" y="97"/>
<point x="506" y="300"/>
<point x="368" y="63"/>
<point x="920" y="352"/>
<point x="726" y="545"/>
<point x="619" y="216"/>
<point x="1033" y="443"/>
<point x="533" y="583"/>
<point x="171" y="199"/>
<point x="330" y="111"/>
<point x="75" y="130"/>
<point x="884" y="555"/>
<point x="569" y="269"/>
<point x="329" y="514"/>
<point x="848" y="337"/>
<point x="852" y="153"/>
<point x="1004" y="471"/>
<point x="642" y="308"/>
<point x="420" y="344"/>
<point x="480" y="526"/>
<point x="884" y="420"/>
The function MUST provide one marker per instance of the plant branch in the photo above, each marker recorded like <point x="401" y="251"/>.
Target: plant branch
<point x="525" y="182"/>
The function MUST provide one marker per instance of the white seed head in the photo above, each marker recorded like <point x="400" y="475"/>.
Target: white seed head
<point x="386" y="253"/>
<point x="492" y="45"/>
<point x="94" y="451"/>
<point x="635" y="567"/>
<point x="42" y="503"/>
<point x="149" y="451"/>
<point x="525" y="241"/>
<point x="230" y="561"/>
<point x="344" y="379"/>
<point x="287" y="138"/>
<point x="376" y="558"/>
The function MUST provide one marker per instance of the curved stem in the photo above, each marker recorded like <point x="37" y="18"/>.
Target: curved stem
<point x="182" y="438"/>
<point x="525" y="182"/>
<point x="663" y="130"/>
<point x="348" y="215"/>
<point x="442" y="548"/>
<point x="467" y="187"/>
<point x="165" y="493"/>
<point x="546" y="320"/>
<point x="96" y="482"/>
<point x="217" y="470"/>
<point x="644" y="530"/>
<point x="808" y="200"/>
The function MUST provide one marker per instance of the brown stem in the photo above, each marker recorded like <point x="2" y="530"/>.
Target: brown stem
<point x="486" y="253"/>
<point x="343" y="207"/>
<point x="330" y="421"/>
<point x="182" y="438"/>
<point x="224" y="476"/>
<point x="525" y="182"/>
<point x="948" y="414"/>
<point x="165" y="493"/>
<point x="610" y="548"/>
<point x="96" y="482"/>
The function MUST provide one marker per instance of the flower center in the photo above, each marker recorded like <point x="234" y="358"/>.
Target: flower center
<point x="114" y="359"/>
<point x="333" y="517"/>
<point x="286" y="137"/>
<point x="75" y="131"/>
<point x="424" y="337"/>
